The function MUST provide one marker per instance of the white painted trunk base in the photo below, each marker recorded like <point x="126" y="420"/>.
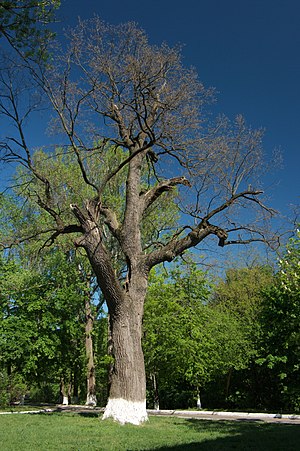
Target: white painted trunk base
<point x="125" y="411"/>
<point x="199" y="406"/>
<point x="91" y="400"/>
<point x="65" y="401"/>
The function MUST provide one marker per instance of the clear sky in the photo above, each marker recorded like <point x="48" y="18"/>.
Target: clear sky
<point x="249" y="50"/>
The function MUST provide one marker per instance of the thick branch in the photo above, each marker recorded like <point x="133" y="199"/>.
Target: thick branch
<point x="110" y="220"/>
<point x="166" y="185"/>
<point x="123" y="131"/>
<point x="177" y="245"/>
<point x="72" y="228"/>
<point x="125" y="162"/>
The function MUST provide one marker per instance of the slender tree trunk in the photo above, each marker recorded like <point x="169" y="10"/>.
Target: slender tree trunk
<point x="75" y="386"/>
<point x="199" y="404"/>
<point x="91" y="399"/>
<point x="228" y="382"/>
<point x="64" y="398"/>
<point x="156" y="393"/>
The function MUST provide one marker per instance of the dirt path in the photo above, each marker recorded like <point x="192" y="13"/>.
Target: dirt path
<point x="196" y="414"/>
<point x="231" y="416"/>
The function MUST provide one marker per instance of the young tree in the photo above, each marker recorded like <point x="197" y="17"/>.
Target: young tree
<point x="111" y="87"/>
<point x="89" y="289"/>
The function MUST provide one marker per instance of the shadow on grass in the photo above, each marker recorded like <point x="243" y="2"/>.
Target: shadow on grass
<point x="240" y="435"/>
<point x="89" y="414"/>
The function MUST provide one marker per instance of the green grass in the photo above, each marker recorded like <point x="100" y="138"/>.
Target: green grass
<point x="86" y="432"/>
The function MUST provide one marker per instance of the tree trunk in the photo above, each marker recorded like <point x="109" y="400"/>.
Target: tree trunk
<point x="127" y="397"/>
<point x="75" y="398"/>
<point x="110" y="354"/>
<point x="64" y="395"/>
<point x="91" y="399"/>
<point x="199" y="404"/>
<point x="155" y="390"/>
<point x="228" y="382"/>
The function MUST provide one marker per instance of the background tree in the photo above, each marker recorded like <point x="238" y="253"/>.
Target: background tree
<point x="12" y="383"/>
<point x="280" y="353"/>
<point x="36" y="333"/>
<point x="240" y="295"/>
<point x="43" y="328"/>
<point x="110" y="86"/>
<point x="23" y="24"/>
<point x="187" y="343"/>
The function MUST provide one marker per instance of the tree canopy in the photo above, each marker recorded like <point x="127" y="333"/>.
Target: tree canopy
<point x="187" y="341"/>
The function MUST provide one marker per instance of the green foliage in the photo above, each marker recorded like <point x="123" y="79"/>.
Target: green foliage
<point x="24" y="216"/>
<point x="186" y="340"/>
<point x="240" y="296"/>
<point x="280" y="350"/>
<point x="32" y="320"/>
<point x="23" y="22"/>
<point x="42" y="321"/>
<point x="240" y="292"/>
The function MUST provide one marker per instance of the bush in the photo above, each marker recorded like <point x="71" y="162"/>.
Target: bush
<point x="12" y="388"/>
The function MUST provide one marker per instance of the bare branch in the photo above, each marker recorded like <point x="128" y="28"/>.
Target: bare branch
<point x="231" y="201"/>
<point x="69" y="229"/>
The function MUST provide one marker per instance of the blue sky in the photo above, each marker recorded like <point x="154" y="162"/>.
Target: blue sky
<point x="249" y="50"/>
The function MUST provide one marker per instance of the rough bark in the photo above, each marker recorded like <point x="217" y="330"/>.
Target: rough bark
<point x="128" y="375"/>
<point x="127" y="398"/>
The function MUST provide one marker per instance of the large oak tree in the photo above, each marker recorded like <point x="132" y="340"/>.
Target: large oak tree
<point x="111" y="88"/>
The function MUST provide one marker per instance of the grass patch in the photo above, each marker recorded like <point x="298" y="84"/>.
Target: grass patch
<point x="69" y="431"/>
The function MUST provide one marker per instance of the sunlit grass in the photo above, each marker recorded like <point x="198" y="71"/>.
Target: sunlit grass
<point x="85" y="432"/>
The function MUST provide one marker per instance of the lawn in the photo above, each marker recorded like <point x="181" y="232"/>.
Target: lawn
<point x="86" y="432"/>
